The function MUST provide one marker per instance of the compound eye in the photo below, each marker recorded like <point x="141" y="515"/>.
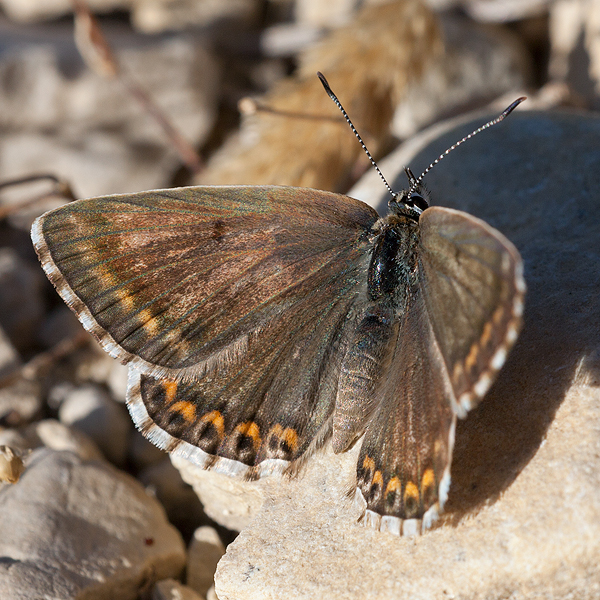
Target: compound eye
<point x="418" y="201"/>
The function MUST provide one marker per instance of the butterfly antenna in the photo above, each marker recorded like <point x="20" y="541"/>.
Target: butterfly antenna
<point x="415" y="183"/>
<point x="364" y="147"/>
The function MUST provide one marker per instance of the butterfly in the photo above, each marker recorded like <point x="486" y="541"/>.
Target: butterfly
<point x="260" y="323"/>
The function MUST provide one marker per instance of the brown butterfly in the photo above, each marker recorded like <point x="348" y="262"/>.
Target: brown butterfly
<point x="261" y="322"/>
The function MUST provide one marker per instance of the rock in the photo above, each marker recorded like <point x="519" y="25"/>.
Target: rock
<point x="59" y="437"/>
<point x="169" y="589"/>
<point x="20" y="401"/>
<point x="117" y="381"/>
<point x="575" y="47"/>
<point x="182" y="505"/>
<point x="495" y="11"/>
<point x="142" y="453"/>
<point x="28" y="11"/>
<point x="152" y="16"/>
<point x="324" y="14"/>
<point x="10" y="360"/>
<point x="204" y="553"/>
<point x="523" y="515"/>
<point x="229" y="502"/>
<point x="58" y="393"/>
<point x="51" y="434"/>
<point x="211" y="594"/>
<point x="72" y="529"/>
<point x="11" y="465"/>
<point x="21" y="301"/>
<point x="479" y="63"/>
<point x="61" y="118"/>
<point x="90" y="409"/>
<point x="58" y="325"/>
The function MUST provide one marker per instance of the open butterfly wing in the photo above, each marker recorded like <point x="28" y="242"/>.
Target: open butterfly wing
<point x="403" y="466"/>
<point x="472" y="281"/>
<point x="179" y="281"/>
<point x="272" y="405"/>
<point x="462" y="317"/>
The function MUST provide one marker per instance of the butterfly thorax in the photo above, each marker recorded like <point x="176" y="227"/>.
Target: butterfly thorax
<point x="393" y="267"/>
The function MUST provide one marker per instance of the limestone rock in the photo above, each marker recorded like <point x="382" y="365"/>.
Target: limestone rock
<point x="523" y="516"/>
<point x="72" y="529"/>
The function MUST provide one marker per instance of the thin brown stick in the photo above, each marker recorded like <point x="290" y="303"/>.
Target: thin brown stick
<point x="98" y="55"/>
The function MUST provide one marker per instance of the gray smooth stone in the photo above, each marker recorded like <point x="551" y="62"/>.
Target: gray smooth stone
<point x="75" y="529"/>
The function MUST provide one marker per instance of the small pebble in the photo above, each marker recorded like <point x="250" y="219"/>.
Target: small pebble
<point x="91" y="410"/>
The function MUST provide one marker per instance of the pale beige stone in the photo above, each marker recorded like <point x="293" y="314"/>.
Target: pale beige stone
<point x="171" y="589"/>
<point x="523" y="516"/>
<point x="75" y="529"/>
<point x="204" y="552"/>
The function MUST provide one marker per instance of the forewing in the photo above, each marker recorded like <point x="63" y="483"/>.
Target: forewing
<point x="403" y="470"/>
<point x="472" y="282"/>
<point x="272" y="407"/>
<point x="181" y="281"/>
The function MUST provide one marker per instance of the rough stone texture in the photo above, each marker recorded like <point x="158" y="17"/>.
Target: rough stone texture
<point x="523" y="516"/>
<point x="204" y="553"/>
<point x="91" y="410"/>
<point x="170" y="589"/>
<point x="82" y="529"/>
<point x="229" y="502"/>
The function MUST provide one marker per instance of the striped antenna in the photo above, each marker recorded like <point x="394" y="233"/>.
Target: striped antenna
<point x="364" y="147"/>
<point x="415" y="183"/>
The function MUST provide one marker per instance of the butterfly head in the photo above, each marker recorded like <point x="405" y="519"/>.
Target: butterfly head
<point x="412" y="201"/>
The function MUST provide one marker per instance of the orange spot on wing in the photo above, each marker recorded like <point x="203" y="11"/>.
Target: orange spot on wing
<point x="487" y="333"/>
<point x="368" y="463"/>
<point x="411" y="493"/>
<point x="186" y="409"/>
<point x="377" y="479"/>
<point x="291" y="438"/>
<point x="170" y="389"/>
<point x="428" y="479"/>
<point x="251" y="429"/>
<point x="393" y="485"/>
<point x="471" y="359"/>
<point x="215" y="418"/>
